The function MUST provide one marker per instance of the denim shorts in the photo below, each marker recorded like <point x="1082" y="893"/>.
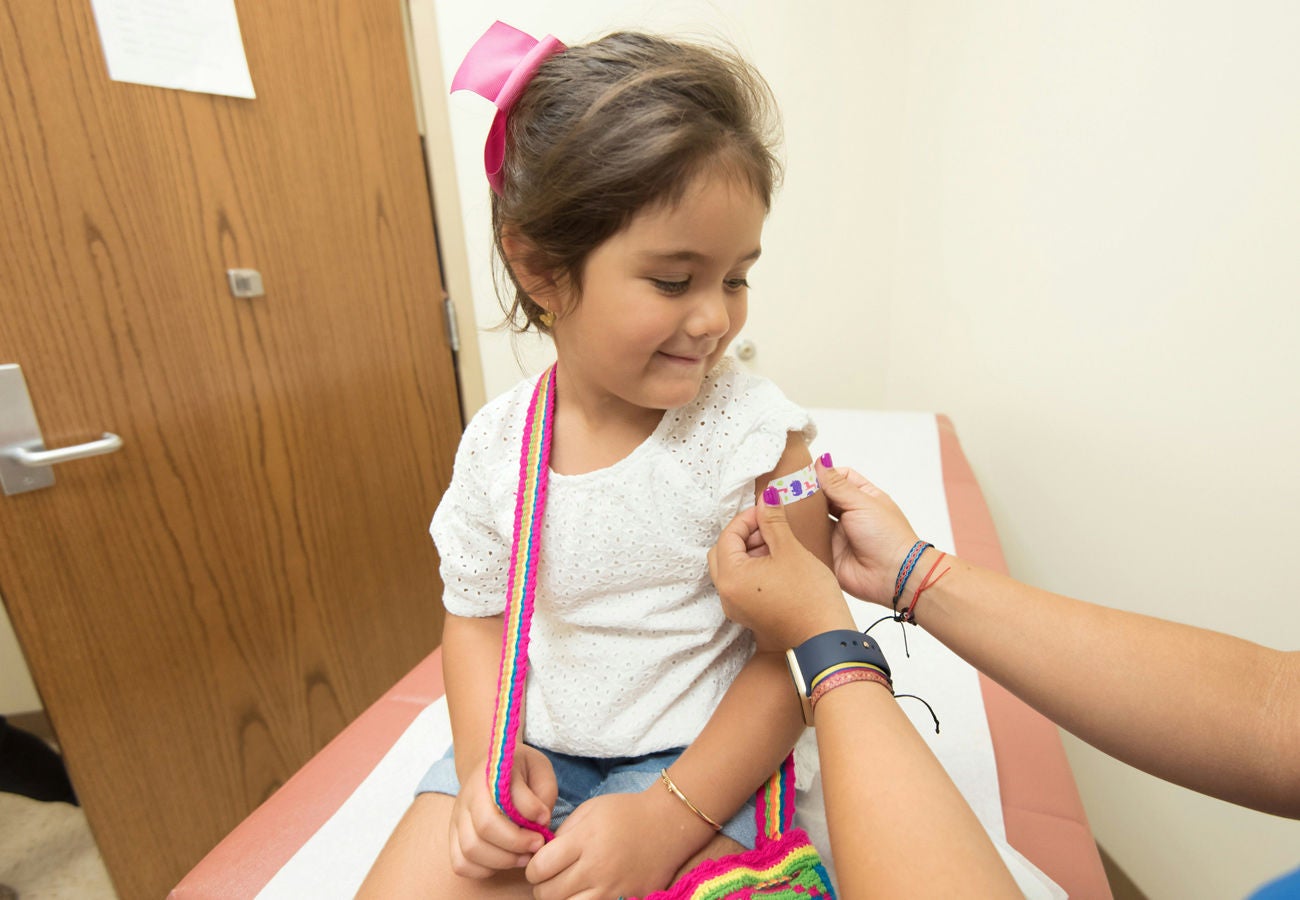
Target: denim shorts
<point x="580" y="778"/>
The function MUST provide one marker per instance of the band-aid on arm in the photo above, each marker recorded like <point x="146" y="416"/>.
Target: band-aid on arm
<point x="796" y="486"/>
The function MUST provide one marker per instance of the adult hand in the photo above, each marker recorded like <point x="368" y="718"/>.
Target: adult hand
<point x="871" y="539"/>
<point x="771" y="584"/>
<point x="617" y="845"/>
<point x="483" y="840"/>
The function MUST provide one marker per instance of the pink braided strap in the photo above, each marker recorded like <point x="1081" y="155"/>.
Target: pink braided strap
<point x="521" y="588"/>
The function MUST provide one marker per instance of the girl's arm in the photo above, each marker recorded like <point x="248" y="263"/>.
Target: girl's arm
<point x="483" y="840"/>
<point x="471" y="654"/>
<point x="759" y="718"/>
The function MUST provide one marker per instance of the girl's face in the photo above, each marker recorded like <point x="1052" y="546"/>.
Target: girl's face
<point x="661" y="300"/>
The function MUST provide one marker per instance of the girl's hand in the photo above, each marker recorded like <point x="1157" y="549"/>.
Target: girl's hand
<point x="872" y="537"/>
<point x="618" y="845"/>
<point x="483" y="840"/>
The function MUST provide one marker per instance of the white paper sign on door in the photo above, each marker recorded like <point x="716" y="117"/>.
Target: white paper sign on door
<point x="188" y="45"/>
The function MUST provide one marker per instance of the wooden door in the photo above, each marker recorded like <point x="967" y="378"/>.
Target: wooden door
<point x="204" y="609"/>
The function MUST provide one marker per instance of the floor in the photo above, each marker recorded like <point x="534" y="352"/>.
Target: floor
<point x="47" y="853"/>
<point x="46" y="849"/>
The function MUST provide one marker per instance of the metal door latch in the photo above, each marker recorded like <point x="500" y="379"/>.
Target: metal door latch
<point x="25" y="464"/>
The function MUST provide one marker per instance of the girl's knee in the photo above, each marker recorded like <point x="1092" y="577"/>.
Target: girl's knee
<point x="416" y="861"/>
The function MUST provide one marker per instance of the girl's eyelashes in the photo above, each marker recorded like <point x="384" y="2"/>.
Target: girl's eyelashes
<point x="674" y="286"/>
<point x="671" y="286"/>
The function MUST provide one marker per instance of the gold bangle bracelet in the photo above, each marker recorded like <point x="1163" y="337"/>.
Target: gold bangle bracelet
<point x="676" y="792"/>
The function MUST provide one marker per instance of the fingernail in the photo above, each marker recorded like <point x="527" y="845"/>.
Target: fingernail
<point x="771" y="497"/>
<point x="522" y="861"/>
<point x="826" y="460"/>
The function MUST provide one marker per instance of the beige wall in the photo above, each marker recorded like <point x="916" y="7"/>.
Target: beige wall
<point x="1097" y="276"/>
<point x="1073" y="228"/>
<point x="17" y="693"/>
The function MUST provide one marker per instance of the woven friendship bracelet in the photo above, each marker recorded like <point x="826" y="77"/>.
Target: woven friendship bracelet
<point x="677" y="792"/>
<point x="848" y="676"/>
<point x="905" y="570"/>
<point x="844" y="667"/>
<point x="909" y="614"/>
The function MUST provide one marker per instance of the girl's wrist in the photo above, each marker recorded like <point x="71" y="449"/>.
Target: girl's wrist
<point x="688" y="826"/>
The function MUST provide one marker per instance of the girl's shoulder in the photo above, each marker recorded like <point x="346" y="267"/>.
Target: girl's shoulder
<point x="735" y="402"/>
<point x="495" y="430"/>
<point x="502" y="415"/>
<point x="732" y="392"/>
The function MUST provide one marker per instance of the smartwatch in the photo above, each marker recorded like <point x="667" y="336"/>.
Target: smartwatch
<point x="832" y="648"/>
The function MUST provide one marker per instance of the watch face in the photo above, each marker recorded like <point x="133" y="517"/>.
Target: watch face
<point x="800" y="686"/>
<point x="796" y="673"/>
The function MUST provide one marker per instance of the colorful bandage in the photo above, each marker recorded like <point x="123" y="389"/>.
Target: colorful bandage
<point x="796" y="486"/>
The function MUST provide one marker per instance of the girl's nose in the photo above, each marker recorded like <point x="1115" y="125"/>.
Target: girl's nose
<point x="710" y="317"/>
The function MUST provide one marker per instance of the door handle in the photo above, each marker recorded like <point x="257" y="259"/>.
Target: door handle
<point x="34" y="458"/>
<point x="25" y="464"/>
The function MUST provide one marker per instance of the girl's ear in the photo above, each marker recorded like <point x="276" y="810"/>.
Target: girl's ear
<point x="540" y="284"/>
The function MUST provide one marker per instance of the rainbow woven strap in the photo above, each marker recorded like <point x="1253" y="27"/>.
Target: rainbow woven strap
<point x="521" y="588"/>
<point x="783" y="865"/>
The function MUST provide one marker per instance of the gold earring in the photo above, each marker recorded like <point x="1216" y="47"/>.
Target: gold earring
<point x="547" y="319"/>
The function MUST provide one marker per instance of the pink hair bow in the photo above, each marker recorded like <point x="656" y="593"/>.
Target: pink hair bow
<point x="497" y="68"/>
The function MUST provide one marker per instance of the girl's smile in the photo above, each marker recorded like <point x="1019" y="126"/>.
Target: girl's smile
<point x="660" y="302"/>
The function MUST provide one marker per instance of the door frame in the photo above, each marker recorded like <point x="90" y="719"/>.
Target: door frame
<point x="432" y="112"/>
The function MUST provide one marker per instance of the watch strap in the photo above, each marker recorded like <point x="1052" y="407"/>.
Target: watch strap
<point x="832" y="648"/>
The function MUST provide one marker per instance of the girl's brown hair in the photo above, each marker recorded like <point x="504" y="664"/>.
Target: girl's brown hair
<point x="607" y="129"/>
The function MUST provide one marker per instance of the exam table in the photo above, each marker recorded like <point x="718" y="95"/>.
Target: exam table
<point x="318" y="834"/>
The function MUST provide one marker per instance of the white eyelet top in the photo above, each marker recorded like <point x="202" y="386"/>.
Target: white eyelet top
<point x="629" y="652"/>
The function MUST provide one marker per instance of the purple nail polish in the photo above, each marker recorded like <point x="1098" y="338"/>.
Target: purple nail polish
<point x="826" y="461"/>
<point x="771" y="497"/>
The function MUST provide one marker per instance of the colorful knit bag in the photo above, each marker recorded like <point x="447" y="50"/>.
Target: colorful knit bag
<point x="783" y="865"/>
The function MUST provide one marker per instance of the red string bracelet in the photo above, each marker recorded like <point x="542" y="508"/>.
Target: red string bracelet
<point x="909" y="614"/>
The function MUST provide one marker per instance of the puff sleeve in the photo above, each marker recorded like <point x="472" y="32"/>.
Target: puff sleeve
<point x="761" y="421"/>
<point x="471" y="547"/>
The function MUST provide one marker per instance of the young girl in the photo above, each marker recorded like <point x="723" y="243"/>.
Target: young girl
<point x="631" y="178"/>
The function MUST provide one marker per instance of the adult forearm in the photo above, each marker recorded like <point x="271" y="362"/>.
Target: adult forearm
<point x="898" y="825"/>
<point x="1202" y="709"/>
